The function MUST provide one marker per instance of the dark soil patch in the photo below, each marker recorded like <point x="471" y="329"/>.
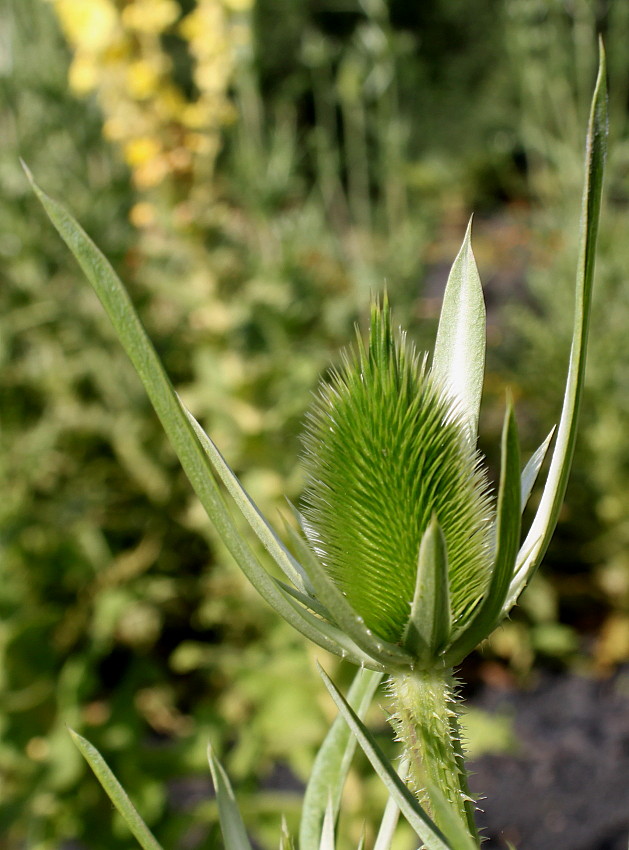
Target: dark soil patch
<point x="567" y="786"/>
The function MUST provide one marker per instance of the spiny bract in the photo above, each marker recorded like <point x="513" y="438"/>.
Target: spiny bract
<point x="385" y="450"/>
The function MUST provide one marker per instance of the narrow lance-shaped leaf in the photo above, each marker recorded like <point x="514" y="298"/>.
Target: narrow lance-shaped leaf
<point x="194" y="461"/>
<point x="545" y="519"/>
<point x="327" y="833"/>
<point x="332" y="763"/>
<point x="116" y="793"/>
<point x="508" y="522"/>
<point x="291" y="568"/>
<point x="430" y="622"/>
<point x="531" y="470"/>
<point x="459" y="357"/>
<point x="418" y="819"/>
<point x="232" y="826"/>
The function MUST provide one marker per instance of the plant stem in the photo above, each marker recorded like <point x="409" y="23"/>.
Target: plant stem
<point x="426" y="721"/>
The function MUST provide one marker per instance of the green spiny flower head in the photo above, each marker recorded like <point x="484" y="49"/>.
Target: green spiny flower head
<point x="386" y="450"/>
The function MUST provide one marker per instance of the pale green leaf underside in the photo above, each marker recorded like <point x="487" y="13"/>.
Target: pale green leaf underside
<point x="332" y="763"/>
<point x="116" y="793"/>
<point x="232" y="826"/>
<point x="459" y="356"/>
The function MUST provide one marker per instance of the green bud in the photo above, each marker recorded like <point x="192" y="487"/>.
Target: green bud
<point x="386" y="451"/>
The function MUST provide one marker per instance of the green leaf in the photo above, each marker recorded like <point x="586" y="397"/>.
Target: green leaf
<point x="545" y="520"/>
<point x="508" y="523"/>
<point x="327" y="832"/>
<point x="291" y="568"/>
<point x="116" y="793"/>
<point x="531" y="470"/>
<point x="232" y="826"/>
<point x="332" y="763"/>
<point x="430" y="622"/>
<point x="459" y="357"/>
<point x="175" y="422"/>
<point x="390" y="816"/>
<point x="428" y="832"/>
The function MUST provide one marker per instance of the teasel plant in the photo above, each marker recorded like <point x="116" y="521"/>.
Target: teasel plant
<point x="404" y="561"/>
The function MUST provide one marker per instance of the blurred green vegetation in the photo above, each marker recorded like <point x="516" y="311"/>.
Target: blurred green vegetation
<point x="363" y="135"/>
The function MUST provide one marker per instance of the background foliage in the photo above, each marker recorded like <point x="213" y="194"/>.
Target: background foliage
<point x="252" y="189"/>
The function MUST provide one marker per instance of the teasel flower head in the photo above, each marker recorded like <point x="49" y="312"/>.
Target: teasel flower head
<point x="389" y="460"/>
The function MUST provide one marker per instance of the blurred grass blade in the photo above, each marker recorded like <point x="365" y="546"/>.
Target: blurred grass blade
<point x="545" y="519"/>
<point x="459" y="358"/>
<point x="430" y="622"/>
<point x="194" y="461"/>
<point x="286" y="841"/>
<point x="531" y="470"/>
<point x="232" y="826"/>
<point x="508" y="524"/>
<point x="428" y="832"/>
<point x="333" y="761"/>
<point x="116" y="793"/>
<point x="390" y="816"/>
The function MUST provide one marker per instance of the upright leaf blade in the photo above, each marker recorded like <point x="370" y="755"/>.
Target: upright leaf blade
<point x="543" y="525"/>
<point x="332" y="763"/>
<point x="508" y="523"/>
<point x="430" y="622"/>
<point x="232" y="826"/>
<point x="531" y="470"/>
<point x="116" y="793"/>
<point x="459" y="358"/>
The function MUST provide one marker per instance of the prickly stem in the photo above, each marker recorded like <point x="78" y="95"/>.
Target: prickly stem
<point x="426" y="723"/>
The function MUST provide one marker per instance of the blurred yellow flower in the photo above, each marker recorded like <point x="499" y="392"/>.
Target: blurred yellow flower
<point x="89" y="24"/>
<point x="84" y="73"/>
<point x="142" y="150"/>
<point x="142" y="214"/>
<point x="143" y="78"/>
<point x="150" y="16"/>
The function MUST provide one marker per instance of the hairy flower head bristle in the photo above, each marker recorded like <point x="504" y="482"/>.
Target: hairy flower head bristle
<point x="385" y="451"/>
